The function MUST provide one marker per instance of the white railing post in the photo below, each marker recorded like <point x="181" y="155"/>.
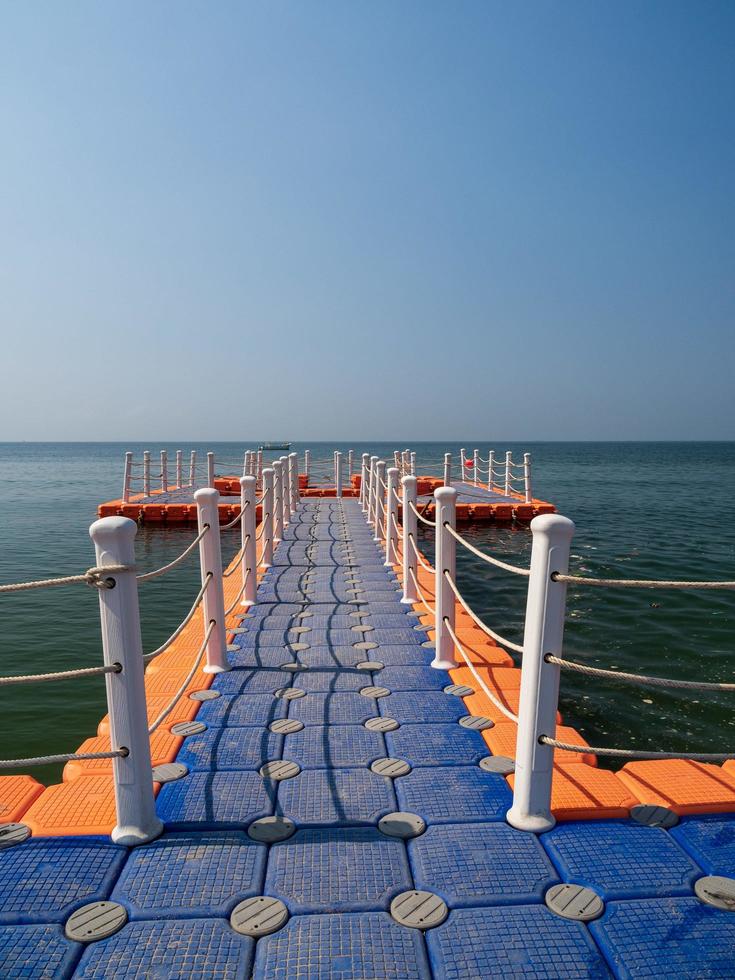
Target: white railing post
<point x="126" y="477"/>
<point x="445" y="560"/>
<point x="542" y="635"/>
<point x="293" y="463"/>
<point x="136" y="820"/>
<point x="490" y="464"/>
<point x="475" y="465"/>
<point x="413" y="464"/>
<point x="146" y="474"/>
<point x="527" y="477"/>
<point x="210" y="558"/>
<point x="164" y="471"/>
<point x="371" y="491"/>
<point x="266" y="556"/>
<point x="462" y="461"/>
<point x="178" y="469"/>
<point x="391" y="518"/>
<point x="448" y="469"/>
<point x="247" y="540"/>
<point x="307" y="464"/>
<point x="410" y="528"/>
<point x="397" y="460"/>
<point x="338" y="474"/>
<point x="245" y="462"/>
<point x="363" y="481"/>
<point x="508" y="462"/>
<point x="210" y="470"/>
<point x="259" y="474"/>
<point x="277" y="503"/>
<point x="350" y="465"/>
<point x="379" y="501"/>
<point x="285" y="490"/>
<point x="192" y="467"/>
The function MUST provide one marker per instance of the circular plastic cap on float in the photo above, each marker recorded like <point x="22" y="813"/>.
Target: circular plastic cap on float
<point x="574" y="902"/>
<point x="418" y="910"/>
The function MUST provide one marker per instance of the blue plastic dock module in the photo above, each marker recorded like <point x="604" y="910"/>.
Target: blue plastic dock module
<point x="436" y="745"/>
<point x="336" y="797"/>
<point x="522" y="941"/>
<point x="342" y="947"/>
<point x="672" y="937"/>
<point x="37" y="951"/>
<point x="323" y="747"/>
<point x="346" y="869"/>
<point x="618" y="859"/>
<point x="481" y="864"/>
<point x="46" y="879"/>
<point x="710" y="841"/>
<point x="172" y="949"/>
<point x="192" y="875"/>
<point x="218" y="799"/>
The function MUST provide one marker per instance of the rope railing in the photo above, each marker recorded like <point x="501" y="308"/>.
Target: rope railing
<point x="182" y="625"/>
<point x="645" y="679"/>
<point x="49" y="760"/>
<point x="399" y="532"/>
<point x="503" y="709"/>
<point x="236" y="519"/>
<point x="635" y="753"/>
<point x="61" y="675"/>
<point x="420" y="594"/>
<point x="95" y="577"/>
<point x="146" y="576"/>
<point x="234" y="564"/>
<point x="640" y="583"/>
<point x="517" y="647"/>
<point x="419" y="556"/>
<point x="425" y="520"/>
<point x="515" y="569"/>
<point x="174" y="701"/>
<point x="245" y="578"/>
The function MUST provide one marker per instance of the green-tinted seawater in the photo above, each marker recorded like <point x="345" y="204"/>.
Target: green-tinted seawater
<point x="643" y="510"/>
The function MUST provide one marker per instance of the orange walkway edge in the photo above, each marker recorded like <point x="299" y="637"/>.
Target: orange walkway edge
<point x="681" y="784"/>
<point x="16" y="795"/>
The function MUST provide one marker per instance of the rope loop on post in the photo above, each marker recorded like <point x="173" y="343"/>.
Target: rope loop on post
<point x="420" y="516"/>
<point x="96" y="577"/>
<point x="476" y="619"/>
<point x="61" y="675"/>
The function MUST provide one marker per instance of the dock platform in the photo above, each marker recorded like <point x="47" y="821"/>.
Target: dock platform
<point x="334" y="808"/>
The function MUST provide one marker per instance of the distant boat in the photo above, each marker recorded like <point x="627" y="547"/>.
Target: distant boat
<point x="274" y="445"/>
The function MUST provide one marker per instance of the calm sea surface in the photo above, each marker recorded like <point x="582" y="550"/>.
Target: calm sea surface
<point x="642" y="510"/>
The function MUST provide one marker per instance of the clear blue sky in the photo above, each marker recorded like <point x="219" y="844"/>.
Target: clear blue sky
<point x="384" y="219"/>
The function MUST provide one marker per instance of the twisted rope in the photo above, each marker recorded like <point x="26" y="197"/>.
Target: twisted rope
<point x="637" y="678"/>
<point x="640" y="583"/>
<point x="259" y="534"/>
<point x="485" y="629"/>
<point x="485" y="689"/>
<point x="172" y="564"/>
<point x="95" y="577"/>
<point x="174" y="701"/>
<point x="235" y="561"/>
<point x="420" y="516"/>
<point x="246" y="576"/>
<point x="420" y="594"/>
<point x="182" y="625"/>
<point x="399" y="532"/>
<point x="421" y="561"/>
<point x="47" y="760"/>
<point x="236" y="519"/>
<point x="516" y="569"/>
<point x="62" y="674"/>
<point x="636" y="753"/>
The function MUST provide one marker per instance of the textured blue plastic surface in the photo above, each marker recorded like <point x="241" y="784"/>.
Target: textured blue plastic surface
<point x="339" y="870"/>
<point x="174" y="950"/>
<point x="192" y="875"/>
<point x="39" y="952"/>
<point x="621" y="859"/>
<point x="331" y="679"/>
<point x="710" y="841"/>
<point x="352" y="946"/>
<point x="322" y="747"/>
<point x="432" y="707"/>
<point x="256" y="680"/>
<point x="46" y="879"/>
<point x="414" y="678"/>
<point x="472" y="864"/>
<point x="230" y="748"/>
<point x="336" y="797"/>
<point x="436" y="745"/>
<point x="455" y="793"/>
<point x="672" y="937"/>
<point x="332" y="709"/>
<point x="521" y="941"/>
<point x="249" y="710"/>
<point x="204" y="800"/>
